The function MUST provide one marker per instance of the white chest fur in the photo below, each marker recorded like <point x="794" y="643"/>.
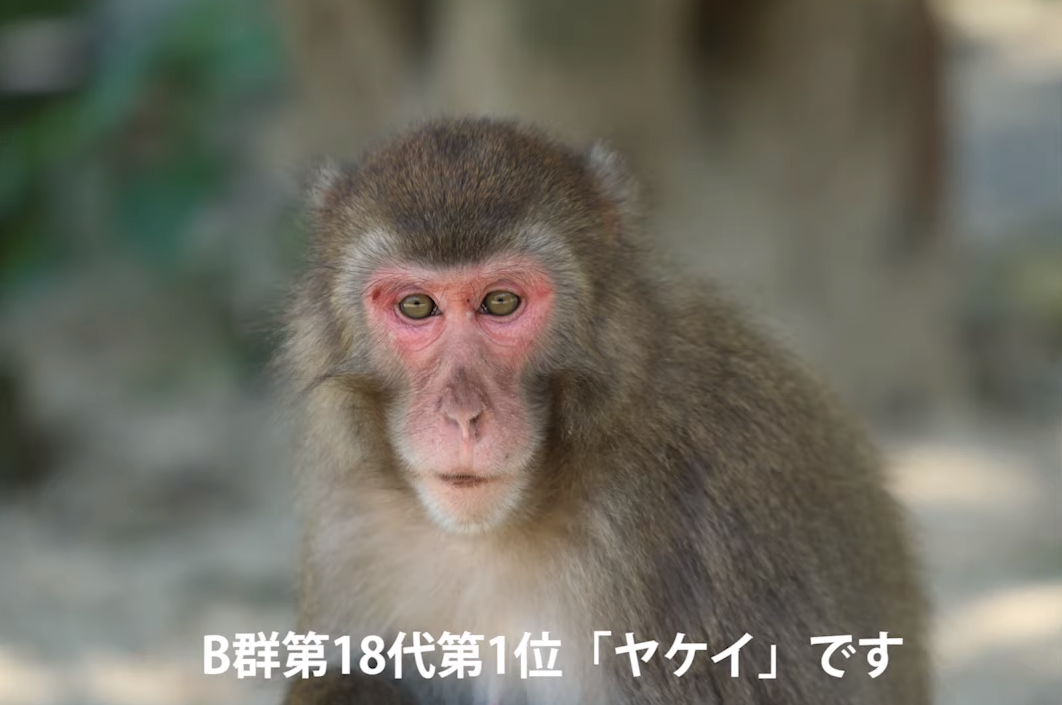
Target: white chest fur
<point x="382" y="568"/>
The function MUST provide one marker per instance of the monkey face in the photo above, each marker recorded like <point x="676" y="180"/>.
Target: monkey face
<point x="461" y="339"/>
<point x="463" y="294"/>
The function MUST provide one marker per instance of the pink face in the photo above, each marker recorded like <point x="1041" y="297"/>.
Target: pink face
<point x="466" y="433"/>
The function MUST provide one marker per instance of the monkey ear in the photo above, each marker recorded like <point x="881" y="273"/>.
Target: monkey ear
<point x="318" y="182"/>
<point x="616" y="182"/>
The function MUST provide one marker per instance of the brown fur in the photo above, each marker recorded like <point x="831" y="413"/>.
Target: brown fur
<point x="693" y="478"/>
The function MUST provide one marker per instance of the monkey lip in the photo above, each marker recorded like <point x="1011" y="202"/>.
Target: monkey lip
<point x="465" y="481"/>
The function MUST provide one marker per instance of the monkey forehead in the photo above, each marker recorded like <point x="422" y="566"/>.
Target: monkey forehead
<point x="456" y="191"/>
<point x="524" y="274"/>
<point x="541" y="261"/>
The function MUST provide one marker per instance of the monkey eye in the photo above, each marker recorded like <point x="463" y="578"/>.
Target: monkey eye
<point x="417" y="306"/>
<point x="500" y="303"/>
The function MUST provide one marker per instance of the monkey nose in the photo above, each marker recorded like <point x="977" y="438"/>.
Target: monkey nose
<point x="466" y="418"/>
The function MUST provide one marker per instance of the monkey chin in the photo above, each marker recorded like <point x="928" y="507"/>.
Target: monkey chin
<point x="469" y="504"/>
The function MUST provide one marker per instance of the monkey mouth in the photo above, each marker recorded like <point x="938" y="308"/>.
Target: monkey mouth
<point x="464" y="481"/>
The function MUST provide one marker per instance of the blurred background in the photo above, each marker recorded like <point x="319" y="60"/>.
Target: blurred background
<point x="879" y="181"/>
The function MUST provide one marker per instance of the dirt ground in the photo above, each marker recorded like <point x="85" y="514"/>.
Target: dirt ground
<point x="174" y="520"/>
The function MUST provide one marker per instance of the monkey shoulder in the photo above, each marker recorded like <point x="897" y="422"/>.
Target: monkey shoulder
<point x="709" y="358"/>
<point x="737" y="420"/>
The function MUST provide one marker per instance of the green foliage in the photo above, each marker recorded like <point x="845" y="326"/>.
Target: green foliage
<point x="150" y="139"/>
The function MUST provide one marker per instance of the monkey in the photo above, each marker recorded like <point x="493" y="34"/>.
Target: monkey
<point x="518" y="419"/>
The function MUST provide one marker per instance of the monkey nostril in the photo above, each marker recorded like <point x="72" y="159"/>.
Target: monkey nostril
<point x="467" y="421"/>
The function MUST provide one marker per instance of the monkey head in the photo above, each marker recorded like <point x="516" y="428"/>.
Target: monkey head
<point x="461" y="285"/>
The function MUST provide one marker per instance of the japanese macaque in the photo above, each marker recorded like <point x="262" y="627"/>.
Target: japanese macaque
<point x="517" y="422"/>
